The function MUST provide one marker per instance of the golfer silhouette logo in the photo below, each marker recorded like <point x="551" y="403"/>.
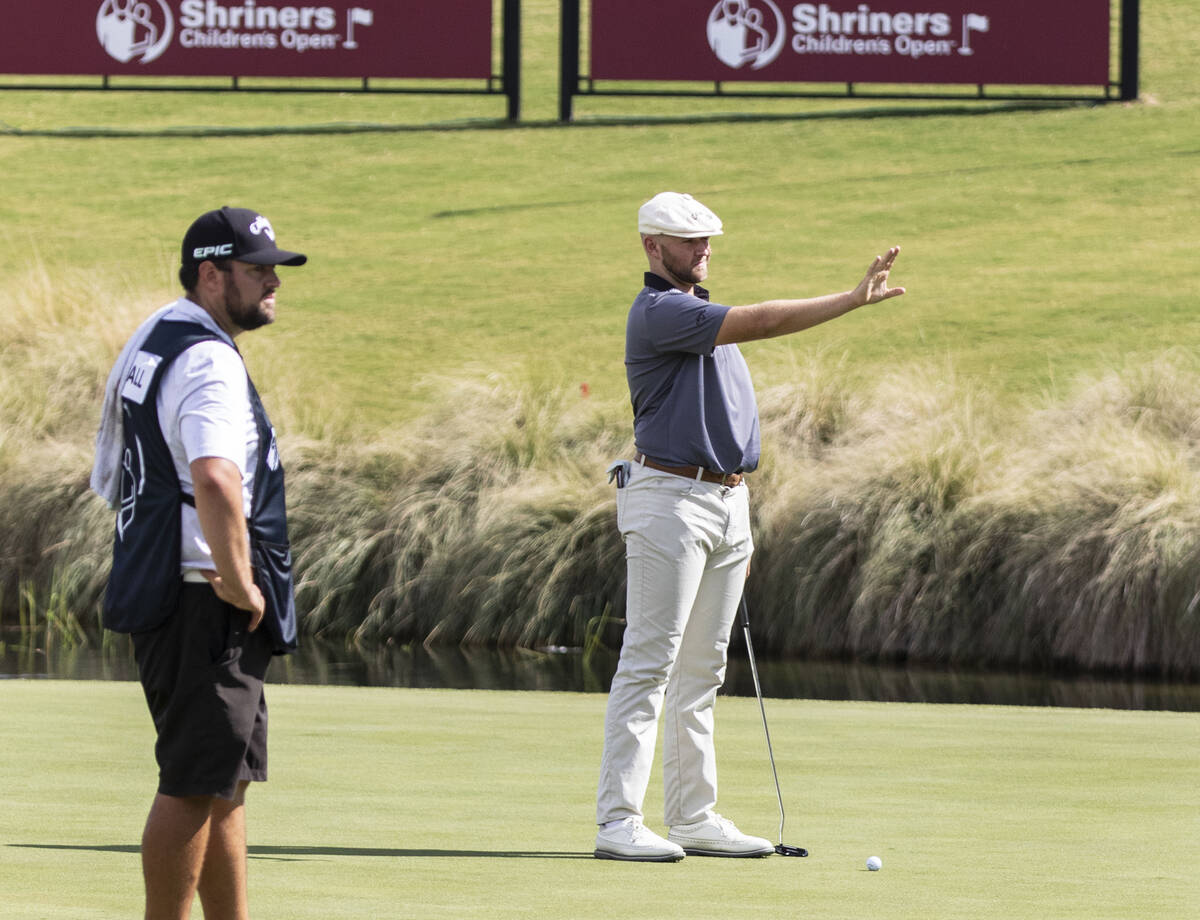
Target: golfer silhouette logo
<point x="133" y="480"/>
<point x="134" y="29"/>
<point x="746" y="32"/>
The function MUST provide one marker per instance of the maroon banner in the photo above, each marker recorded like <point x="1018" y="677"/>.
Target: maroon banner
<point x="1053" y="42"/>
<point x="254" y="38"/>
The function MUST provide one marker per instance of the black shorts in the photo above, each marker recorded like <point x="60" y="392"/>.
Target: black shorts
<point x="202" y="672"/>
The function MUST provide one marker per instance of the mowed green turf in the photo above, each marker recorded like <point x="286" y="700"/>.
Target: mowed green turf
<point x="461" y="804"/>
<point x="1038" y="243"/>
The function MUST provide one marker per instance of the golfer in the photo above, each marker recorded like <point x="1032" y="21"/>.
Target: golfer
<point x="683" y="511"/>
<point x="201" y="571"/>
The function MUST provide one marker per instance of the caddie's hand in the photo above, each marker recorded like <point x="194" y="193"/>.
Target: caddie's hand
<point x="250" y="599"/>
<point x="874" y="286"/>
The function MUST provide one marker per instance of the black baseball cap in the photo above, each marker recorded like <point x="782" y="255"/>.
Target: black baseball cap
<point x="235" y="233"/>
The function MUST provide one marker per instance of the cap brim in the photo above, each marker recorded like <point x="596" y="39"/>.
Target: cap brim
<point x="650" y="230"/>
<point x="272" y="257"/>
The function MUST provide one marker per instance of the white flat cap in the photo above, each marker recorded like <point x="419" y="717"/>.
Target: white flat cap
<point x="676" y="214"/>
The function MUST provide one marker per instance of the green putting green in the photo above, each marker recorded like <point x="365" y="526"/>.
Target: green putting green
<point x="467" y="804"/>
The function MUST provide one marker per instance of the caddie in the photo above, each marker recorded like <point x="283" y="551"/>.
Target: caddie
<point x="201" y="573"/>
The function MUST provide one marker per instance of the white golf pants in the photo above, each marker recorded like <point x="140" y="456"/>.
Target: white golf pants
<point x="687" y="545"/>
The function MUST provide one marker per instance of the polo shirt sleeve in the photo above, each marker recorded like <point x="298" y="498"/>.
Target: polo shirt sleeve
<point x="212" y="403"/>
<point x="682" y="322"/>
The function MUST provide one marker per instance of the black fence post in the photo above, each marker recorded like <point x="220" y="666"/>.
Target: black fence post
<point x="568" y="65"/>
<point x="511" y="57"/>
<point x="1129" y="49"/>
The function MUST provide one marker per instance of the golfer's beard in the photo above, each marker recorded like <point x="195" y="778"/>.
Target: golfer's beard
<point x="246" y="316"/>
<point x="685" y="271"/>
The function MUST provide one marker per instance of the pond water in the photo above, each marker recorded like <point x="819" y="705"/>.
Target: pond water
<point x="569" y="670"/>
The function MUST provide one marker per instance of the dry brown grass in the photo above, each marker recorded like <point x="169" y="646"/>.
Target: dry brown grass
<point x="919" y="520"/>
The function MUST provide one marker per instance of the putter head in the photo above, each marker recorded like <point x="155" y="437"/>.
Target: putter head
<point x="784" y="850"/>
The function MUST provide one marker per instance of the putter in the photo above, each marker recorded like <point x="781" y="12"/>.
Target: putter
<point x="782" y="849"/>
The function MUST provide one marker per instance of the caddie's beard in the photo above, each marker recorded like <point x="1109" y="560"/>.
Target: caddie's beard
<point x="247" y="316"/>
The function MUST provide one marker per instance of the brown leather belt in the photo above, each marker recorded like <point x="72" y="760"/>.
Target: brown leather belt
<point x="691" y="472"/>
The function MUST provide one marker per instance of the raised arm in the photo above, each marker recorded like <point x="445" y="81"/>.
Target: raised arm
<point x="773" y="318"/>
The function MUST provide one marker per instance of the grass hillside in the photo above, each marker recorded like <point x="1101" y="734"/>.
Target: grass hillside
<point x="1038" y="243"/>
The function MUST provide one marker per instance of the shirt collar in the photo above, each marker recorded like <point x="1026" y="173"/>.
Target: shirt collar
<point x="192" y="311"/>
<point x="658" y="283"/>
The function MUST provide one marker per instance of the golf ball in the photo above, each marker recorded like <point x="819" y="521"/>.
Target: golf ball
<point x="874" y="863"/>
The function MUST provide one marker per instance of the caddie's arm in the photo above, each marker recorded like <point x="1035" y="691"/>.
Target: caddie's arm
<point x="781" y="317"/>
<point x="217" y="484"/>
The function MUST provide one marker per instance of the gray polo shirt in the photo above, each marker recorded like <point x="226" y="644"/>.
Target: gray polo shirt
<point x="693" y="401"/>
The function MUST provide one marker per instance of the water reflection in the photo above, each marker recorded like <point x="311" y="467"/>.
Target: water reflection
<point x="569" y="670"/>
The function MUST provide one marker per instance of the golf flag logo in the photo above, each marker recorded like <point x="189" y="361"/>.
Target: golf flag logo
<point x="132" y="30"/>
<point x="746" y="32"/>
<point x="972" y="22"/>
<point x="357" y="17"/>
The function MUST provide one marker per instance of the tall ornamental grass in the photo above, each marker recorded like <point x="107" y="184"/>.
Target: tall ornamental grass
<point x="57" y="341"/>
<point x="919" y="519"/>
<point x="939" y="527"/>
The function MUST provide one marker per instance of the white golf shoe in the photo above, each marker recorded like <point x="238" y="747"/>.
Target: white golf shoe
<point x="632" y="840"/>
<point x="717" y="836"/>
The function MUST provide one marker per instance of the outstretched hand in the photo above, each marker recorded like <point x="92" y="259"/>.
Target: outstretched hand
<point x="874" y="286"/>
